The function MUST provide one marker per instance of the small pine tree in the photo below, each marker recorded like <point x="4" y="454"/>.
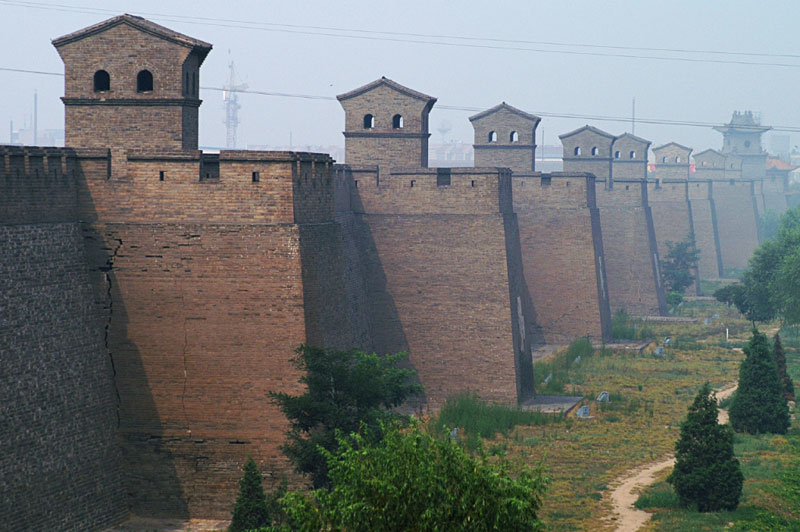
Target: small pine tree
<point x="780" y="362"/>
<point x="706" y="474"/>
<point x="759" y="405"/>
<point x="250" y="511"/>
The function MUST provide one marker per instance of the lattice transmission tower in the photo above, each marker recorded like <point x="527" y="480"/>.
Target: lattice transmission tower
<point x="230" y="100"/>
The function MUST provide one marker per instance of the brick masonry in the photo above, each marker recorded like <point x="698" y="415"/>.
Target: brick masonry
<point x="737" y="221"/>
<point x="704" y="226"/>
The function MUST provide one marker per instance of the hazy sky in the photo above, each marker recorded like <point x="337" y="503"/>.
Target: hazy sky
<point x="292" y="60"/>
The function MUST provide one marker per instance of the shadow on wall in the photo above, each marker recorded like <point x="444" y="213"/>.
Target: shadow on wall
<point x="149" y="467"/>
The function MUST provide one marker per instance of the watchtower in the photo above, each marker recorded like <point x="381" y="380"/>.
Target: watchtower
<point x="386" y="124"/>
<point x="629" y="157"/>
<point x="742" y="137"/>
<point x="588" y="149"/>
<point x="131" y="83"/>
<point x="505" y="136"/>
<point x="672" y="161"/>
<point x="709" y="164"/>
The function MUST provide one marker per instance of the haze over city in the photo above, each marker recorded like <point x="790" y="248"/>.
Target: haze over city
<point x="471" y="55"/>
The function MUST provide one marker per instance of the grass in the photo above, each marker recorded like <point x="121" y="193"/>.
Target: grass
<point x="624" y="327"/>
<point x="559" y="367"/>
<point x="477" y="419"/>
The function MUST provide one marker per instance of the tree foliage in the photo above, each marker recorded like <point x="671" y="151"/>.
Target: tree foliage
<point x="706" y="474"/>
<point x="411" y="481"/>
<point x="679" y="264"/>
<point x="345" y="391"/>
<point x="759" y="405"/>
<point x="769" y="288"/>
<point x="783" y="375"/>
<point x="250" y="511"/>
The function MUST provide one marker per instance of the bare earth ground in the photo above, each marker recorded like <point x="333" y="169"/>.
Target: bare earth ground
<point x="629" y="518"/>
<point x="148" y="524"/>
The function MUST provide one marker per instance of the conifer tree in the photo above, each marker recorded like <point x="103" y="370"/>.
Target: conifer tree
<point x="250" y="511"/>
<point x="759" y="405"/>
<point x="780" y="363"/>
<point x="706" y="474"/>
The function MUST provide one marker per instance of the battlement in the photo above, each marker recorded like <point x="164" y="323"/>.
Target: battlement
<point x="625" y="193"/>
<point x="563" y="190"/>
<point x="701" y="189"/>
<point x="165" y="186"/>
<point x="425" y="190"/>
<point x="667" y="190"/>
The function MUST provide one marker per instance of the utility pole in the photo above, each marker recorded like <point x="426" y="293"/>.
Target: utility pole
<point x="231" y="104"/>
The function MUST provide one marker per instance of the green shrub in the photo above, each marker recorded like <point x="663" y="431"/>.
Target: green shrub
<point x="706" y="475"/>
<point x="759" y="405"/>
<point x="250" y="510"/>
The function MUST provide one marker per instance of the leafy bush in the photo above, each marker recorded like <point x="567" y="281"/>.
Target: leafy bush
<point x="759" y="405"/>
<point x="706" y="473"/>
<point x="411" y="481"/>
<point x="678" y="266"/>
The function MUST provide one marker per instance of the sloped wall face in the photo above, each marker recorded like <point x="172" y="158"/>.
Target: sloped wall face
<point x="630" y="250"/>
<point x="60" y="466"/>
<point x="442" y="285"/>
<point x="736" y="221"/>
<point x="672" y="216"/>
<point x="704" y="225"/>
<point x="562" y="256"/>
<point x="203" y="317"/>
<point x="774" y="191"/>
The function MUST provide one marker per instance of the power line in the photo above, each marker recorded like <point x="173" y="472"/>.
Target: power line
<point x="599" y="118"/>
<point x="414" y="38"/>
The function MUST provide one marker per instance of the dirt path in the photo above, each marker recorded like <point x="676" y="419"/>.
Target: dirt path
<point x="629" y="518"/>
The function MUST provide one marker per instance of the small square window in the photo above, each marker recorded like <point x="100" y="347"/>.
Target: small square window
<point x="161" y="175"/>
<point x="256" y="177"/>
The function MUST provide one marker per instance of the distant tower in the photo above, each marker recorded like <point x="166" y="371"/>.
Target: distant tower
<point x="588" y="149"/>
<point x="131" y="83"/>
<point x="386" y="124"/>
<point x="505" y="136"/>
<point x="629" y="157"/>
<point x="742" y="137"/>
<point x="672" y="161"/>
<point x="231" y="103"/>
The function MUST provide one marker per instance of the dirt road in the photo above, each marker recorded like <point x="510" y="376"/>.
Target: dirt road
<point x="630" y="519"/>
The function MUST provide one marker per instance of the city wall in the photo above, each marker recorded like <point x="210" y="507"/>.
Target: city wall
<point x="60" y="462"/>
<point x="562" y="254"/>
<point x="737" y="222"/>
<point x="704" y="226"/>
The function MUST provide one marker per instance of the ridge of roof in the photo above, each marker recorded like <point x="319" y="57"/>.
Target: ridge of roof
<point x="707" y="150"/>
<point x="634" y="137"/>
<point x="510" y="108"/>
<point x="589" y="128"/>
<point x="383" y="80"/>
<point x="139" y="23"/>
<point x="673" y="143"/>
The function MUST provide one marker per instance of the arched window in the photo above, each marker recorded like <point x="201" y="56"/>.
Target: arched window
<point x="664" y="159"/>
<point x="577" y="150"/>
<point x="493" y="136"/>
<point x="369" y="121"/>
<point x="144" y="81"/>
<point x="704" y="163"/>
<point x="514" y="137"/>
<point x="677" y="159"/>
<point x="731" y="165"/>
<point x="397" y="122"/>
<point x="595" y="151"/>
<point x="102" y="81"/>
<point x="617" y="154"/>
<point x="632" y="155"/>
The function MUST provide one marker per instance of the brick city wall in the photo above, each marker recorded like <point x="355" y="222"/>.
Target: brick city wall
<point x="443" y="279"/>
<point x="562" y="255"/>
<point x="630" y="248"/>
<point x="737" y="223"/>
<point x="704" y="225"/>
<point x="60" y="467"/>
<point x="672" y="215"/>
<point x="774" y="191"/>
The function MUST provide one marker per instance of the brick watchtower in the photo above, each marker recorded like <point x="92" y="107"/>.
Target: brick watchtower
<point x="588" y="149"/>
<point x="672" y="161"/>
<point x="131" y="83"/>
<point x="386" y="124"/>
<point x="505" y="136"/>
